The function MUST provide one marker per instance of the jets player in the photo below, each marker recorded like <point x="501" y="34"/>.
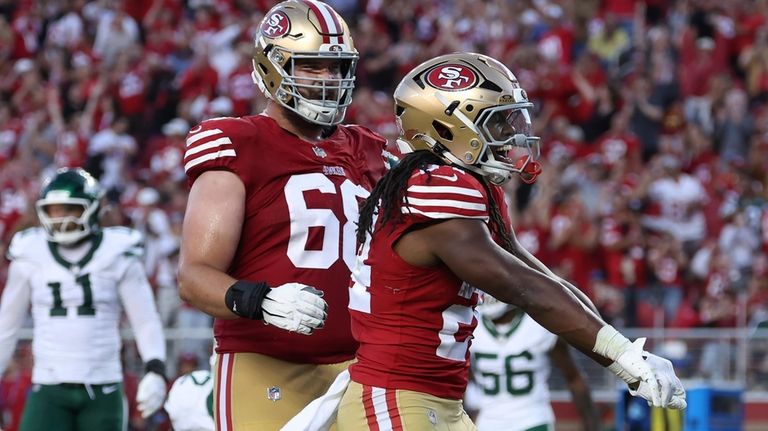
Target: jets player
<point x="510" y="363"/>
<point x="269" y="232"/>
<point x="78" y="278"/>
<point x="190" y="401"/>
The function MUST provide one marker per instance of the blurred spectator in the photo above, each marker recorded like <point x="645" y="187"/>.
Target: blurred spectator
<point x="110" y="150"/>
<point x="14" y="385"/>
<point x="679" y="197"/>
<point x="733" y="127"/>
<point x="666" y="262"/>
<point x="116" y="32"/>
<point x="609" y="41"/>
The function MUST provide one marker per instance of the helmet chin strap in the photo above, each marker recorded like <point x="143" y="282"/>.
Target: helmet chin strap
<point x="317" y="115"/>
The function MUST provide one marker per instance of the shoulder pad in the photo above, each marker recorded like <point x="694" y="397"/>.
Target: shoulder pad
<point x="123" y="241"/>
<point x="26" y="244"/>
<point x="212" y="144"/>
<point x="444" y="192"/>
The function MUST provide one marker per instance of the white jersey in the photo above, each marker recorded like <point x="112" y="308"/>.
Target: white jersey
<point x="76" y="306"/>
<point x="190" y="402"/>
<point x="509" y="376"/>
<point x="675" y="198"/>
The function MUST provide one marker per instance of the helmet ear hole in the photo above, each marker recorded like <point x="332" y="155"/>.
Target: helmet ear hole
<point x="442" y="130"/>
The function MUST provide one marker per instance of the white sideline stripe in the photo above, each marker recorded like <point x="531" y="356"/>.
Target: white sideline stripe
<point x="445" y="189"/>
<point x="210" y="156"/>
<point x="223" y="390"/>
<point x="207" y="146"/>
<point x="194" y="138"/>
<point x="445" y="203"/>
<point x="439" y="215"/>
<point x="379" y="399"/>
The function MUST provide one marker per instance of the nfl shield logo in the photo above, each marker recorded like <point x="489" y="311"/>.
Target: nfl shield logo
<point x="432" y="416"/>
<point x="273" y="393"/>
<point x="319" y="152"/>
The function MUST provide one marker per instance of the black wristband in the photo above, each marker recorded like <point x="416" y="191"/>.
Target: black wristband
<point x="156" y="366"/>
<point x="244" y="298"/>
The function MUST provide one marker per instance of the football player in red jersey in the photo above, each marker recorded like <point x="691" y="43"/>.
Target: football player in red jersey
<point x="435" y="230"/>
<point x="269" y="230"/>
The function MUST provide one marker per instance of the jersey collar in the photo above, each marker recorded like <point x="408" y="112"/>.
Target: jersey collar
<point x="513" y="325"/>
<point x="95" y="243"/>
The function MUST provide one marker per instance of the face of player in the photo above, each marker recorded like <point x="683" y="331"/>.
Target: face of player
<point x="321" y="78"/>
<point x="64" y="216"/>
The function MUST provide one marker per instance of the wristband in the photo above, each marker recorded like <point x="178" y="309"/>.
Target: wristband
<point x="610" y="343"/>
<point x="244" y="298"/>
<point x="156" y="366"/>
<point x="621" y="373"/>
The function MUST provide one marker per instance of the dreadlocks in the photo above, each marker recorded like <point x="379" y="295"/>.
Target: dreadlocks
<point x="390" y="190"/>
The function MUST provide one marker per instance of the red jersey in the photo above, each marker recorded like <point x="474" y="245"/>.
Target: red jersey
<point x="414" y="324"/>
<point x="299" y="226"/>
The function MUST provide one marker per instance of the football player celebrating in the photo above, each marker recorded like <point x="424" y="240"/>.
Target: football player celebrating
<point x="269" y="233"/>
<point x="433" y="231"/>
<point x="510" y="364"/>
<point x="78" y="277"/>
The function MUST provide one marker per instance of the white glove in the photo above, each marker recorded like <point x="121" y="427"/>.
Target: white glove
<point x="151" y="393"/>
<point x="653" y="377"/>
<point x="295" y="307"/>
<point x="672" y="392"/>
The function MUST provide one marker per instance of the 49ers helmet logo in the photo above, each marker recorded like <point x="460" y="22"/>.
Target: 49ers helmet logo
<point x="452" y="77"/>
<point x="276" y="25"/>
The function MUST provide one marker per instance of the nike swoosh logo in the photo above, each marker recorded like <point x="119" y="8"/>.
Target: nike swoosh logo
<point x="451" y="178"/>
<point x="196" y="129"/>
<point x="109" y="389"/>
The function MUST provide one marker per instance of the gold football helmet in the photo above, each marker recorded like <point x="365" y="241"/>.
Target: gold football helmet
<point x="468" y="109"/>
<point x="297" y="30"/>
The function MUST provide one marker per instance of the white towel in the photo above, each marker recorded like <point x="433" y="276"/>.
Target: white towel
<point x="321" y="412"/>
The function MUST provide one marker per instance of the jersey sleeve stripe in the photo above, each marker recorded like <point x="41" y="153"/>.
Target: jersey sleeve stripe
<point x="202" y="135"/>
<point x="445" y="203"/>
<point x="205" y="157"/>
<point x="207" y="146"/>
<point x="442" y="215"/>
<point x="446" y="189"/>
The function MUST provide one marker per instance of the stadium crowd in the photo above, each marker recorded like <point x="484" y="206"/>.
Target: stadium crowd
<point x="653" y="116"/>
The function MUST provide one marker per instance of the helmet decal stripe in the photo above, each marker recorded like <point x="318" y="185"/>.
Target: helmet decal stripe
<point x="333" y="23"/>
<point x="320" y="18"/>
<point x="330" y="17"/>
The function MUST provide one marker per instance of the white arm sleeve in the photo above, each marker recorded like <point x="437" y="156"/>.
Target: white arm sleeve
<point x="13" y="307"/>
<point x="139" y="302"/>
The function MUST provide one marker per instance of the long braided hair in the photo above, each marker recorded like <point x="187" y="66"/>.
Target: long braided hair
<point x="390" y="190"/>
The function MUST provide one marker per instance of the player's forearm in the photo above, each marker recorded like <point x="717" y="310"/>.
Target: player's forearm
<point x="204" y="287"/>
<point x="532" y="261"/>
<point x="552" y="306"/>
<point x="139" y="303"/>
<point x="13" y="308"/>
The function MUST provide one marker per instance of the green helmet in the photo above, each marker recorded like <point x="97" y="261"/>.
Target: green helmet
<point x="76" y="187"/>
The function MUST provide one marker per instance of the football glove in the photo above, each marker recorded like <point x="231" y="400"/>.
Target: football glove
<point x="151" y="393"/>
<point x="295" y="307"/>
<point x="649" y="377"/>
